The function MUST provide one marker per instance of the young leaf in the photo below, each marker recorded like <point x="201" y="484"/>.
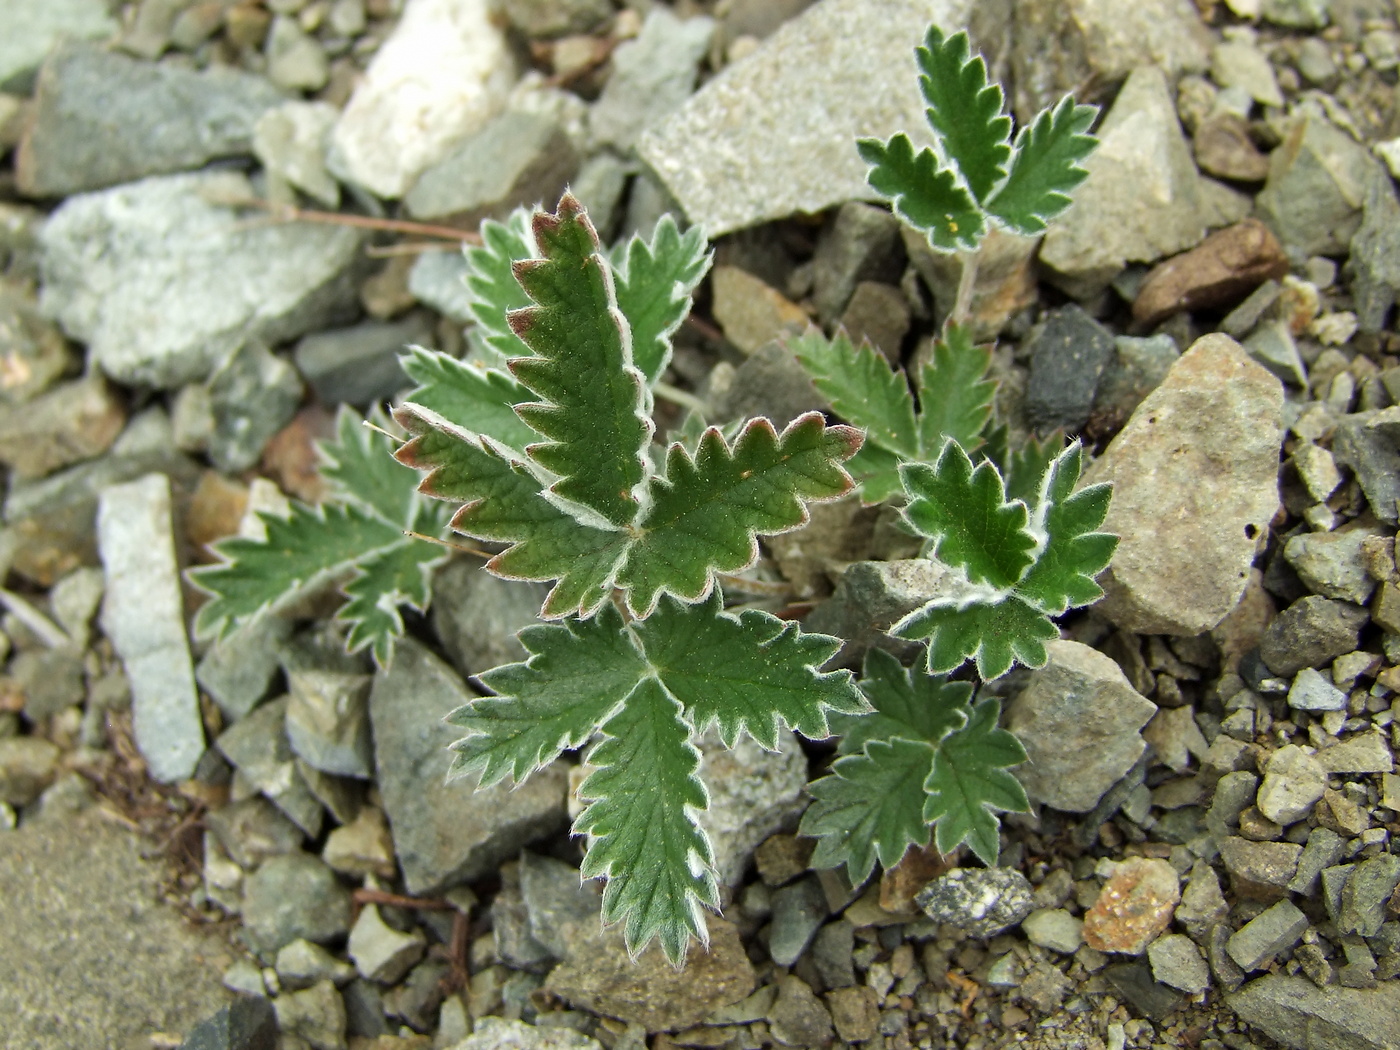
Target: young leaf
<point x="969" y="784"/>
<point x="1025" y="467"/>
<point x="994" y="631"/>
<point x="594" y="405"/>
<point x="1045" y="167"/>
<point x="862" y="388"/>
<point x="963" y="510"/>
<point x="964" y="110"/>
<point x="1074" y="552"/>
<point x="955" y="395"/>
<point x="482" y="399"/>
<point x="907" y="705"/>
<point x="491" y="282"/>
<point x="654" y="284"/>
<point x="926" y="195"/>
<point x="359" y="468"/>
<point x="396" y="576"/>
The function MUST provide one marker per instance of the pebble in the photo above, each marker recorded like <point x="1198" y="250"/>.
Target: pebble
<point x="799" y="910"/>
<point x="293" y="896"/>
<point x="254" y="830"/>
<point x="547" y="19"/>
<point x="361" y="847"/>
<point x="1202" y="903"/>
<point x="1293" y="781"/>
<point x="1311" y="632"/>
<point x="979" y="902"/>
<point x="247" y="1023"/>
<point x="1366" y="894"/>
<point x="380" y="952"/>
<point x="1178" y="963"/>
<point x="854" y="1012"/>
<point x="437" y="279"/>
<point x="1296" y="1012"/>
<point x="290" y="141"/>
<point x="1069" y="351"/>
<point x="442" y="74"/>
<point x="301" y="964"/>
<point x="797" y="1017"/>
<point x="253" y="394"/>
<point x="1218" y="272"/>
<point x="1360" y="753"/>
<point x="328" y="720"/>
<point x="1317" y="184"/>
<point x="67" y="424"/>
<point x="1362" y="443"/>
<point x="858" y="245"/>
<point x="1331" y="563"/>
<point x="770" y="382"/>
<point x="29" y="30"/>
<point x="316" y="1015"/>
<point x="750" y="313"/>
<point x="1260" y="870"/>
<point x="1175" y="738"/>
<point x="237" y="670"/>
<point x="32" y="346"/>
<point x="1254" y="945"/>
<point x="1375" y="255"/>
<point x="1133" y="907"/>
<point x="257" y="745"/>
<point x="753" y="794"/>
<point x="28" y="765"/>
<point x="1055" y="929"/>
<point x="1223" y="148"/>
<point x="496" y="1033"/>
<point x="1189" y="520"/>
<point x="295" y="61"/>
<point x="1240" y="64"/>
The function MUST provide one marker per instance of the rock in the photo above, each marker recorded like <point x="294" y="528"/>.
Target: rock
<point x="516" y="158"/>
<point x="495" y="1033"/>
<point x="773" y="134"/>
<point x="1311" y="632"/>
<point x="295" y="61"/>
<point x="248" y="1023"/>
<point x="546" y="19"/>
<point x="442" y="74"/>
<point x="253" y="394"/>
<point x="1299" y="1014"/>
<point x="1258" y="941"/>
<point x="362" y="847"/>
<point x="101" y="118"/>
<point x="1360" y="442"/>
<point x="1366" y="893"/>
<point x="438" y="279"/>
<point x="797" y="1017"/>
<point x="293" y="896"/>
<point x="1006" y="283"/>
<point x="257" y="745"/>
<point x="1324" y="849"/>
<point x="872" y="595"/>
<point x="1318" y="178"/>
<point x="1078" y="719"/>
<point x="380" y="952"/>
<point x="143" y="617"/>
<point x="1223" y="147"/>
<point x="1195" y="486"/>
<point x="1202" y="904"/>
<point x="446" y="833"/>
<point x="1293" y="781"/>
<point x="1260" y="870"/>
<point x="237" y="670"/>
<point x="1142" y="199"/>
<point x="652" y="76"/>
<point x="1362" y="753"/>
<point x="771" y="382"/>
<point x="291" y="141"/>
<point x="1069" y="352"/>
<point x="33" y="349"/>
<point x="253" y="830"/>
<point x="50" y="680"/>
<point x="1331" y="563"/>
<point x="859" y="245"/>
<point x="1237" y="63"/>
<point x="27" y="767"/>
<point x="65" y="425"/>
<point x="359" y="365"/>
<point x="1218" y="272"/>
<point x="1178" y="963"/>
<point x="980" y="902"/>
<point x="328" y="720"/>
<point x="855" y="1013"/>
<point x="753" y="794"/>
<point x="162" y="284"/>
<point x="1273" y="346"/>
<point x="1375" y="255"/>
<point x="29" y="29"/>
<point x="1137" y="368"/>
<point x="1054" y="928"/>
<point x="301" y="964"/>
<point x="750" y="312"/>
<point x="1134" y="906"/>
<point x="316" y="1015"/>
<point x="477" y="616"/>
<point x="799" y="910"/>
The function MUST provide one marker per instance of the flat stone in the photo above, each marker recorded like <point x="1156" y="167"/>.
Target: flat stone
<point x="237" y="670"/>
<point x="1069" y="352"/>
<point x="1177" y="962"/>
<point x="1293" y="781"/>
<point x="1361" y="753"/>
<point x="442" y="74"/>
<point x="652" y="76"/>
<point x="1361" y="443"/>
<point x="1079" y="719"/>
<point x="1195" y="485"/>
<point x="1237" y="63"/>
<point x="143" y="616"/>
<point x="1318" y="178"/>
<point x="447" y="833"/>
<point x="980" y="902"/>
<point x="362" y="847"/>
<point x="1299" y="1014"/>
<point x="1202" y="903"/>
<point x="29" y="29"/>
<point x="1054" y="928"/>
<point x="772" y="135"/>
<point x="1312" y="632"/>
<point x="1258" y="941"/>
<point x="1260" y="870"/>
<point x="253" y="394"/>
<point x="1218" y="272"/>
<point x="101" y="118"/>
<point x="70" y="423"/>
<point x="1134" y="906"/>
<point x="162" y="283"/>
<point x="328" y="720"/>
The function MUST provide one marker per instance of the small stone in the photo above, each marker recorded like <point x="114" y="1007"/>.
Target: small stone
<point x="1068" y="355"/>
<point x="1223" y="147"/>
<point x="1175" y="738"/>
<point x="652" y="76"/>
<point x="257" y="745"/>
<point x="750" y="313"/>
<point x="328" y="720"/>
<point x="1236" y="63"/>
<point x="248" y="1023"/>
<point x="295" y="60"/>
<point x="316" y="1015"/>
<point x="437" y="279"/>
<point x="254" y="830"/>
<point x="797" y="1017"/>
<point x="27" y="766"/>
<point x="380" y="952"/>
<point x="1054" y="928"/>
<point x="65" y="425"/>
<point x="495" y="1033"/>
<point x="1177" y="962"/>
<point x="798" y="912"/>
<point x="1361" y="753"/>
<point x="1366" y="893"/>
<point x="1260" y="870"/>
<point x="1316" y="187"/>
<point x="857" y="246"/>
<point x="1331" y="563"/>
<point x="293" y="896"/>
<point x="1341" y="814"/>
<point x="237" y="669"/>
<point x="981" y="902"/>
<point x="32" y="349"/>
<point x="1218" y="272"/>
<point x="301" y="964"/>
<point x="855" y="1013"/>
<point x="872" y="595"/>
<point x="771" y="382"/>
<point x="1310" y="633"/>
<point x="1133" y="907"/>
<point x="1312" y="692"/>
<point x="1317" y="469"/>
<point x="1323" y="850"/>
<point x="1293" y="781"/>
<point x="253" y="394"/>
<point x="1202" y="904"/>
<point x="362" y="847"/>
<point x="291" y="141"/>
<point x="1273" y="931"/>
<point x="1375" y="255"/>
<point x="877" y="314"/>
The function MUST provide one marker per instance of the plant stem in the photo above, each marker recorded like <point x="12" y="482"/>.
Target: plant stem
<point x="967" y="281"/>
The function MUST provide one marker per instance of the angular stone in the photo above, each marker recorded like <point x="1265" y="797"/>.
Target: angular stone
<point x="1079" y="720"/>
<point x="1293" y="781"/>
<point x="1006" y="283"/>
<point x="1324" y="849"/>
<point x="301" y="964"/>
<point x="1258" y="941"/>
<point x="980" y="902"/>
<point x="29" y="29"/>
<point x="858" y="245"/>
<point x="315" y="1015"/>
<point x="1366" y="894"/>
<point x="799" y="909"/>
<point x="1177" y="962"/>
<point x="1134" y="906"/>
<point x="1069" y="353"/>
<point x="797" y="1017"/>
<point x="248" y="1023"/>
<point x="328" y="720"/>
<point x="751" y="313"/>
<point x="496" y="1033"/>
<point x="1054" y="928"/>
<point x="382" y="953"/>
<point x="1195" y="485"/>
<point x="1311" y="632"/>
<point x="293" y="896"/>
<point x="1297" y="1013"/>
<point x="237" y="670"/>
<point x="1218" y="272"/>
<point x="1260" y="870"/>
<point x="291" y="141"/>
<point x="1375" y="255"/>
<point x="27" y="767"/>
<point x="1202" y="904"/>
<point x="872" y="595"/>
<point x="1331" y="563"/>
<point x="257" y="745"/>
<point x="753" y="794"/>
<point x="254" y="830"/>
<point x="1223" y="148"/>
<point x="1360" y="442"/>
<point x="67" y="424"/>
<point x="1318" y="178"/>
<point x="253" y="394"/>
<point x="295" y="61"/>
<point x="362" y="847"/>
<point x="1360" y="753"/>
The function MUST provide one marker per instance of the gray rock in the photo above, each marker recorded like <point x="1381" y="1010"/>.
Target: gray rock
<point x="237" y="670"/>
<point x="27" y="766"/>
<point x="1178" y="963"/>
<point x="101" y="118"/>
<point x="1135" y="370"/>
<point x="797" y="1017"/>
<point x="477" y="615"/>
<point x="1333" y="880"/>
<point x="1202" y="904"/>
<point x="561" y="910"/>
<point x="1226" y="971"/>
<point x="362" y="847"/>
<point x="1361" y="443"/>
<point x="599" y="186"/>
<point x="295" y="61"/>
<point x="1260" y="870"/>
<point x="291" y="141"/>
<point x="1362" y="753"/>
<point x="328" y="720"/>
<point x="315" y="1015"/>
<point x="1195" y="485"/>
<point x="446" y="833"/>
<point x="860" y="245"/>
<point x="1273" y="931"/>
<point x="1311" y="632"/>
<point x="1300" y="1015"/>
<point x="162" y="284"/>
<point x="254" y="830"/>
<point x="1323" y="850"/>
<point x="1375" y="255"/>
<point x="1296" y="14"/>
<point x="438" y="279"/>
<point x="380" y="952"/>
<point x="1240" y="64"/>
<point x="359" y="365"/>
<point x="753" y="794"/>
<point x="301" y="964"/>
<point x="872" y="595"/>
<point x="253" y="394"/>
<point x="1317" y="184"/>
<point x="1330" y="563"/>
<point x="248" y="1023"/>
<point x="293" y="896"/>
<point x="51" y="680"/>
<point x="364" y="1009"/>
<point x="771" y="382"/>
<point x="1366" y="893"/>
<point x="879" y="314"/>
<point x="143" y="617"/>
<point x="1069" y="352"/>
<point x="1273" y="346"/>
<point x="1078" y="718"/>
<point x="750" y="312"/>
<point x="257" y="745"/>
<point x="1312" y="691"/>
<point x="772" y="135"/>
<point x="29" y="29"/>
<point x="495" y="1033"/>
<point x="1142" y="200"/>
<point x="34" y="343"/>
<point x="981" y="902"/>
<point x="652" y="76"/>
<point x="545" y="19"/>
<point x="67" y="424"/>
<point x="1293" y="781"/>
<point x="516" y="158"/>
<point x="1054" y="928"/>
<point x="74" y="602"/>
<point x="799" y="909"/>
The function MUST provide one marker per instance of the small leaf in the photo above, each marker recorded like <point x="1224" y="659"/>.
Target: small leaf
<point x="1045" y="167"/>
<point x="360" y="466"/>
<point x="594" y="406"/>
<point x="877" y="473"/>
<point x="654" y="285"/>
<point x="907" y="705"/>
<point x="478" y="399"/>
<point x="871" y="806"/>
<point x="964" y="110"/>
<point x="393" y="577"/>
<point x="964" y="512"/>
<point x="645" y="795"/>
<point x="955" y="394"/>
<point x="1075" y="551"/>
<point x="969" y="784"/>
<point x="995" y="634"/>
<point x="862" y="388"/>
<point x="491" y="282"/>
<point x="927" y="196"/>
<point x="1027" y="464"/>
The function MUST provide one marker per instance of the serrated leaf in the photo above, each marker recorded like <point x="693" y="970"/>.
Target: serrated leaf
<point x="645" y="795"/>
<point x="593" y="405"/>
<point x="707" y="511"/>
<point x="963" y="511"/>
<point x="360" y="467"/>
<point x="964" y="110"/>
<point x="955" y="395"/>
<point x="1045" y="167"/>
<point x="871" y="806"/>
<point x="1027" y="464"/>
<point x="906" y="705"/>
<point x="1075" y="551"/>
<point x="924" y="194"/>
<point x="383" y="582"/>
<point x="877" y="472"/>
<point x="654" y="285"/>
<point x="491" y="285"/>
<point x="969" y="784"/>
<point x="480" y="400"/>
<point x="862" y="388"/>
<point x="747" y="673"/>
<point x="994" y="634"/>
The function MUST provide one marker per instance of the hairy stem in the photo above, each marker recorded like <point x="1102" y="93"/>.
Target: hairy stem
<point x="967" y="281"/>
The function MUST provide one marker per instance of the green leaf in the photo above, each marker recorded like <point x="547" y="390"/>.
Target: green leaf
<point x="994" y="633"/>
<point x="491" y="282"/>
<point x="924" y="194"/>
<point x="707" y="512"/>
<point x="964" y="110"/>
<point x="877" y="472"/>
<point x="645" y="794"/>
<point x="1027" y="464"/>
<point x="955" y="394"/>
<point x="1045" y="167"/>
<point x="862" y="388"/>
<point x="747" y="673"/>
<point x="871" y="806"/>
<point x="969" y="784"/>
<point x="576" y="675"/>
<point x="480" y="400"/>
<point x="907" y="705"/>
<point x="964" y="512"/>
<point x="360" y="467"/>
<point x="1075" y="551"/>
<point x="654" y="286"/>
<point x="398" y="575"/>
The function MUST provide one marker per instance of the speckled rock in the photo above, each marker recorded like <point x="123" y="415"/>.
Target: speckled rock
<point x="1134" y="906"/>
<point x="981" y="902"/>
